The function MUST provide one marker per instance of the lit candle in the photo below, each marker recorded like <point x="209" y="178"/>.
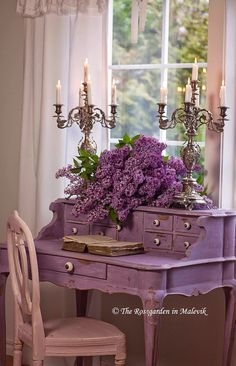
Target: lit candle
<point x="86" y="70"/>
<point x="58" y="92"/>
<point x="163" y="95"/>
<point x="195" y="70"/>
<point x="81" y="99"/>
<point x="188" y="92"/>
<point x="89" y="91"/>
<point x="113" y="92"/>
<point x="222" y="94"/>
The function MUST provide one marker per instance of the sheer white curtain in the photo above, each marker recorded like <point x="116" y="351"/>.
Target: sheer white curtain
<point x="55" y="48"/>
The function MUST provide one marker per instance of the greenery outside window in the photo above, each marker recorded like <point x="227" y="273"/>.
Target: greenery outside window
<point x="176" y="32"/>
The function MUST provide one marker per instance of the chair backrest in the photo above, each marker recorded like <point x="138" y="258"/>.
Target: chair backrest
<point x="22" y="260"/>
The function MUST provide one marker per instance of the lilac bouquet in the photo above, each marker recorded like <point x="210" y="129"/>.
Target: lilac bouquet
<point x="134" y="173"/>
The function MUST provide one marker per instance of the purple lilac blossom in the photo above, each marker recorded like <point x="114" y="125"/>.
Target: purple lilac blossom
<point x="127" y="178"/>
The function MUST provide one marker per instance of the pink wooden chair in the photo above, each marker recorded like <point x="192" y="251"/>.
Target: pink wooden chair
<point x="57" y="337"/>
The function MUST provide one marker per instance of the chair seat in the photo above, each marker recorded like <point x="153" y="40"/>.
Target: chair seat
<point x="73" y="332"/>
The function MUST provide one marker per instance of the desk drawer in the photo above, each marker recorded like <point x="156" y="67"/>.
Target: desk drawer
<point x="80" y="267"/>
<point x="74" y="228"/>
<point x="157" y="240"/>
<point x="70" y="217"/>
<point x="186" y="225"/>
<point x="158" y="222"/>
<point x="103" y="230"/>
<point x="182" y="242"/>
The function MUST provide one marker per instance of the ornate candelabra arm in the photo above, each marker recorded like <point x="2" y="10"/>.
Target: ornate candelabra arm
<point x="164" y="122"/>
<point x="61" y="122"/>
<point x="99" y="116"/>
<point x="220" y="124"/>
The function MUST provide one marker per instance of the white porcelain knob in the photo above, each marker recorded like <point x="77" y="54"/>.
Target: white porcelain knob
<point x="156" y="222"/>
<point x="187" y="225"/>
<point x="74" y="230"/>
<point x="187" y="244"/>
<point x="69" y="267"/>
<point x="157" y="242"/>
<point x="118" y="227"/>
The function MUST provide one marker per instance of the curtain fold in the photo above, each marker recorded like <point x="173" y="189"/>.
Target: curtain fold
<point x="55" y="48"/>
<point x="35" y="8"/>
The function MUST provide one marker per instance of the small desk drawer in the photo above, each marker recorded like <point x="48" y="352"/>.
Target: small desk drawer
<point x="158" y="222"/>
<point x="103" y="230"/>
<point x="186" y="225"/>
<point x="74" y="228"/>
<point x="70" y="217"/>
<point x="182" y="242"/>
<point x="72" y="266"/>
<point x="156" y="240"/>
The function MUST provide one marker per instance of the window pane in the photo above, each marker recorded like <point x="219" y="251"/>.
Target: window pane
<point x="148" y="48"/>
<point x="137" y="97"/>
<point x="188" y="24"/>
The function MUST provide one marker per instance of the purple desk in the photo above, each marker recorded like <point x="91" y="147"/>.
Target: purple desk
<point x="187" y="253"/>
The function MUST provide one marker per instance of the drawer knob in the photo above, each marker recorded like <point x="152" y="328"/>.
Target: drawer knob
<point x="69" y="267"/>
<point x="118" y="227"/>
<point x="74" y="230"/>
<point x="101" y="233"/>
<point x="187" y="244"/>
<point x="187" y="225"/>
<point x="156" y="222"/>
<point x="157" y="242"/>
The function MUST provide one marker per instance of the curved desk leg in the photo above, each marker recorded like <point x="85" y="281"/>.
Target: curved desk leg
<point x="229" y="328"/>
<point x="152" y="301"/>
<point x="81" y="306"/>
<point x="3" y="279"/>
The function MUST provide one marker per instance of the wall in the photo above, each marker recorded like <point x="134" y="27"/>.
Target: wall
<point x="11" y="76"/>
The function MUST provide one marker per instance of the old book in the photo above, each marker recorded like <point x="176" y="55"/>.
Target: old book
<point x="102" y="245"/>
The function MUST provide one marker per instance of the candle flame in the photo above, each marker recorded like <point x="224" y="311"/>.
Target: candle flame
<point x="195" y="61"/>
<point x="86" y="61"/>
<point x="223" y="82"/>
<point x="188" y="81"/>
<point x="58" y="83"/>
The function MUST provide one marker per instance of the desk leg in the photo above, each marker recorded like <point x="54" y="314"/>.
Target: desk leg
<point x="3" y="278"/>
<point x="81" y="306"/>
<point x="152" y="301"/>
<point x="229" y="329"/>
<point x="81" y="302"/>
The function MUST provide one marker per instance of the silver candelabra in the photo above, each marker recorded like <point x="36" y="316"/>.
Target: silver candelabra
<point x="191" y="117"/>
<point x="86" y="116"/>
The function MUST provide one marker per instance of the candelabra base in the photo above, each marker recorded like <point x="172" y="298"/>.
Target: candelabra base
<point x="189" y="198"/>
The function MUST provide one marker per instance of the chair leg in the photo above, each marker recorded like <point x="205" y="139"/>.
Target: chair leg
<point x="17" y="354"/>
<point x="37" y="362"/>
<point x="119" y="362"/>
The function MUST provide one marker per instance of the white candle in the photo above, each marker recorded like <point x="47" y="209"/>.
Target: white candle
<point x="195" y="70"/>
<point x="58" y="92"/>
<point x="113" y="93"/>
<point x="197" y="98"/>
<point x="163" y="95"/>
<point x="188" y="92"/>
<point x="89" y="91"/>
<point x="222" y="94"/>
<point x="86" y="70"/>
<point x="81" y="99"/>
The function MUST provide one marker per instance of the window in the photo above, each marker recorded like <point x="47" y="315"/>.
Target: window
<point x="175" y="33"/>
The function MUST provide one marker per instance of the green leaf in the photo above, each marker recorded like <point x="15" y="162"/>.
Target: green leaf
<point x="113" y="215"/>
<point x="75" y="170"/>
<point x="166" y="158"/>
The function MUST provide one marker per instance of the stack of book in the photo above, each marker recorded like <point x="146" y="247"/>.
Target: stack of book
<point x="102" y="245"/>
